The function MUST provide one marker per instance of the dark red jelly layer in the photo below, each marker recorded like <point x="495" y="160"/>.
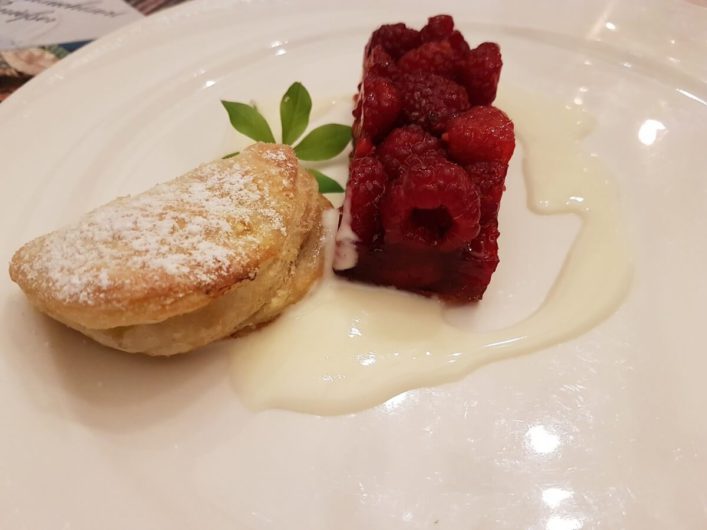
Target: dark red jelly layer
<point x="429" y="162"/>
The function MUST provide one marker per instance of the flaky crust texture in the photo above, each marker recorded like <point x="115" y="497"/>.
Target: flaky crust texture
<point x="304" y="271"/>
<point x="281" y="282"/>
<point x="231" y="225"/>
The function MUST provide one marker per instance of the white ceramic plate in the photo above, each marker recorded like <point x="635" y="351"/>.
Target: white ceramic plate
<point x="605" y="431"/>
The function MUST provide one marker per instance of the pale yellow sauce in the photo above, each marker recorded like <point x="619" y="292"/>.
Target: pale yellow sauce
<point x="348" y="346"/>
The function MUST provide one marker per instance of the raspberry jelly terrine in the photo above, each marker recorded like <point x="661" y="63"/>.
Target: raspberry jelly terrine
<point x="428" y="166"/>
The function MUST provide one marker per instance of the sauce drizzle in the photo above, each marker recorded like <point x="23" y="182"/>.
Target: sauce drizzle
<point x="348" y="347"/>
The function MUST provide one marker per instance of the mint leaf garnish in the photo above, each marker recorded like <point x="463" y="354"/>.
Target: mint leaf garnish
<point x="326" y="184"/>
<point x="324" y="142"/>
<point x="247" y="120"/>
<point x="230" y="155"/>
<point x="295" y="108"/>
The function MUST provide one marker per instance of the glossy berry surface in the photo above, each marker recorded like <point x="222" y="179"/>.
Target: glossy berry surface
<point x="380" y="107"/>
<point x="437" y="28"/>
<point x="429" y="163"/>
<point x="437" y="57"/>
<point x="407" y="146"/>
<point x="379" y="62"/>
<point x="431" y="100"/>
<point x="364" y="190"/>
<point x="490" y="177"/>
<point x="433" y="205"/>
<point x="396" y="39"/>
<point x="482" y="133"/>
<point x="480" y="71"/>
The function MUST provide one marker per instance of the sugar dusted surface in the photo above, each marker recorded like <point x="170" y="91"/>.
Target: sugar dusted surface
<point x="192" y="230"/>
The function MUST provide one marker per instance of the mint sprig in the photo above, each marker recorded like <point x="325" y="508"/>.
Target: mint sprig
<point x="322" y="143"/>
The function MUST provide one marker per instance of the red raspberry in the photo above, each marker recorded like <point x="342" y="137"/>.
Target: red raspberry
<point x="437" y="28"/>
<point x="407" y="268"/>
<point x="364" y="189"/>
<point x="484" y="248"/>
<point x="458" y="42"/>
<point x="425" y="224"/>
<point x="405" y="142"/>
<point x="477" y="263"/>
<point x="356" y="112"/>
<point x="431" y="205"/>
<point x="490" y="177"/>
<point x="380" y="107"/>
<point x="363" y="147"/>
<point x="379" y="62"/>
<point x="436" y="57"/>
<point x="480" y="72"/>
<point x="396" y="39"/>
<point x="414" y="271"/>
<point x="397" y="266"/>
<point x="430" y="100"/>
<point x="480" y="134"/>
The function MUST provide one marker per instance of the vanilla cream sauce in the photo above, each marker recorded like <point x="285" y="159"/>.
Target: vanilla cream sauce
<point x="350" y="346"/>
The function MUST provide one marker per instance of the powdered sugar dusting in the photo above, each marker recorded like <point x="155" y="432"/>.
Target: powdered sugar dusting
<point x="192" y="230"/>
<point x="275" y="156"/>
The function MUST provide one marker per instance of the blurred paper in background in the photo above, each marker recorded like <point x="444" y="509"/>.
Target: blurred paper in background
<point x="34" y="34"/>
<point x="26" y="23"/>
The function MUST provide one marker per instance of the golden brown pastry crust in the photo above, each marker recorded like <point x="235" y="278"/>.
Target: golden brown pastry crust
<point x="187" y="262"/>
<point x="307" y="269"/>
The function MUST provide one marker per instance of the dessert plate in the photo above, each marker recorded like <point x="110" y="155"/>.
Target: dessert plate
<point x="604" y="430"/>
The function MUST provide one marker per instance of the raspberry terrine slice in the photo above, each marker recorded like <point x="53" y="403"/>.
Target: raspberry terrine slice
<point x="429" y="163"/>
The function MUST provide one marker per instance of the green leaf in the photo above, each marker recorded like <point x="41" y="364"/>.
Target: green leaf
<point x="230" y="155"/>
<point x="295" y="107"/>
<point x="326" y="184"/>
<point x="247" y="120"/>
<point x="324" y="142"/>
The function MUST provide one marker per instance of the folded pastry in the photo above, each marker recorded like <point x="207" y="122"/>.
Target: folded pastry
<point x="217" y="251"/>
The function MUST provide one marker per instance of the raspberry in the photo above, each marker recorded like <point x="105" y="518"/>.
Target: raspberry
<point x="356" y="112"/>
<point x="430" y="100"/>
<point x="406" y="142"/>
<point x="490" y="177"/>
<point x="477" y="263"/>
<point x="379" y="62"/>
<point x="431" y="205"/>
<point x="425" y="223"/>
<point x="480" y="134"/>
<point x="400" y="267"/>
<point x="437" y="28"/>
<point x="480" y="72"/>
<point x="396" y="39"/>
<point x="414" y="271"/>
<point x="366" y="185"/>
<point x="380" y="107"/>
<point x="436" y="57"/>
<point x="458" y="42"/>
<point x="363" y="147"/>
